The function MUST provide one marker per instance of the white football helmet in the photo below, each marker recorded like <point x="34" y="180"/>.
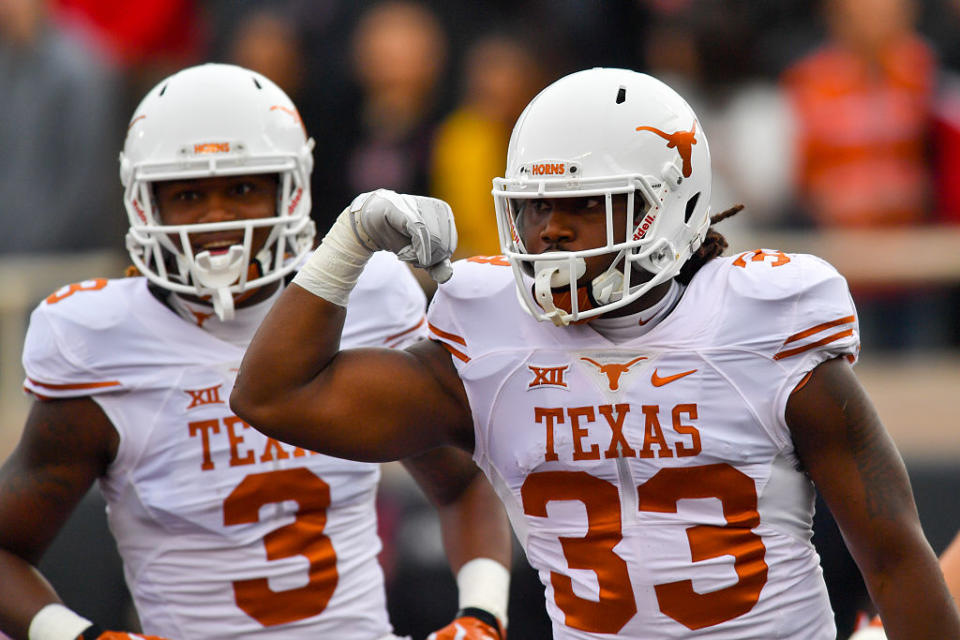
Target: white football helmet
<point x="602" y="132"/>
<point x="216" y="120"/>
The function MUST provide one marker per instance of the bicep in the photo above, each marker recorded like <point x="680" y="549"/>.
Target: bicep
<point x="65" y="446"/>
<point x="853" y="461"/>
<point x="381" y="404"/>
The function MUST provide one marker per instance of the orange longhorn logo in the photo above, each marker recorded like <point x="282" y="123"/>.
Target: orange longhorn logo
<point x="200" y="316"/>
<point x="613" y="370"/>
<point x="292" y="113"/>
<point x="683" y="141"/>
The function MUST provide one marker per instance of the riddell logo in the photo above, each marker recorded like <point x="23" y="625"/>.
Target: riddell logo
<point x="549" y="169"/>
<point x="139" y="210"/>
<point x="643" y="226"/>
<point x="212" y="147"/>
<point x="513" y="229"/>
<point x="683" y="141"/>
<point x="295" y="201"/>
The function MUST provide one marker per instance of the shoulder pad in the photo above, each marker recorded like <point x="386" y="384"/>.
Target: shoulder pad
<point x="71" y="332"/>
<point x="479" y="276"/>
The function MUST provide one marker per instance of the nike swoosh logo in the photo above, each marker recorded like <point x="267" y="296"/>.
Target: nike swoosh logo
<point x="659" y="382"/>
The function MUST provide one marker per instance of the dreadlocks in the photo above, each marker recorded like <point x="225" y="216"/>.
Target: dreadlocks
<point x="712" y="246"/>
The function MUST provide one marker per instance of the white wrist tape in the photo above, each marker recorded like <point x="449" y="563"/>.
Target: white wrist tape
<point x="56" y="622"/>
<point x="332" y="270"/>
<point x="485" y="584"/>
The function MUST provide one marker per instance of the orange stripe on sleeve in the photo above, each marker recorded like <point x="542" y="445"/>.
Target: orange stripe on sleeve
<point x="818" y="329"/>
<point x="76" y="386"/>
<point x="455" y="353"/>
<point x="803" y="382"/>
<point x="36" y="395"/>
<point x="819" y="343"/>
<point x="448" y="336"/>
<point x="405" y="331"/>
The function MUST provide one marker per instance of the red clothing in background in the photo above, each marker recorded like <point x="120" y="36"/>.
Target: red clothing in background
<point x="136" y="33"/>
<point x="862" y="134"/>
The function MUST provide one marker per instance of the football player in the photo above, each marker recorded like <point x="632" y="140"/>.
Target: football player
<point x="654" y="416"/>
<point x="223" y="532"/>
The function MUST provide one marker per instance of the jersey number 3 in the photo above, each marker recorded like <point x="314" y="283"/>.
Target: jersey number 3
<point x="304" y="536"/>
<point x="595" y="551"/>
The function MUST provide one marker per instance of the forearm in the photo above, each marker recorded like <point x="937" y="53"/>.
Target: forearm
<point x="475" y="529"/>
<point x="911" y="595"/>
<point x="475" y="526"/>
<point x="476" y="537"/>
<point x="23" y="592"/>
<point x="471" y="516"/>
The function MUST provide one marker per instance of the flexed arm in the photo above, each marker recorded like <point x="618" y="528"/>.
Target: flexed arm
<point x="365" y="404"/>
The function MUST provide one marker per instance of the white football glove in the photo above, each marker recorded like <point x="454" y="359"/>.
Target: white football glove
<point x="420" y="230"/>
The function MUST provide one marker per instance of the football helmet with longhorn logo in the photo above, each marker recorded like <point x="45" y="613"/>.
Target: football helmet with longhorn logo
<point x="217" y="120"/>
<point x="606" y="133"/>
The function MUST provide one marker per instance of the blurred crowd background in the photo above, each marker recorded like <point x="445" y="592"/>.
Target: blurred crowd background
<point x="836" y="122"/>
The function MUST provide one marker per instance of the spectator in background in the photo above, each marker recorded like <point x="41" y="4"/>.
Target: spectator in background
<point x="943" y="24"/>
<point x="58" y="123"/>
<point x="267" y="39"/>
<point x="707" y="51"/>
<point x="862" y="104"/>
<point x="380" y="137"/>
<point x="501" y="74"/>
<point x="946" y="148"/>
<point x="399" y="53"/>
<point x="377" y="132"/>
<point x="147" y="39"/>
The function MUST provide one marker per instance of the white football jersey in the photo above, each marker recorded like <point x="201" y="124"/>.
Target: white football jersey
<point x="653" y="483"/>
<point x="224" y="533"/>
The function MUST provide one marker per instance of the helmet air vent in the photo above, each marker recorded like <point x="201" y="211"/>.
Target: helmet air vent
<point x="621" y="95"/>
<point x="164" y="90"/>
<point x="257" y="83"/>
<point x="691" y="205"/>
